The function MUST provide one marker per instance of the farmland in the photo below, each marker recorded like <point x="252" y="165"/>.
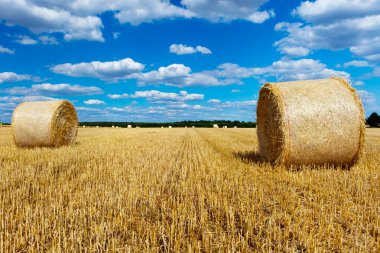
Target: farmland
<point x="182" y="190"/>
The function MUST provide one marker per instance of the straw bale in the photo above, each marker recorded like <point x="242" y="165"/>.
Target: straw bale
<point x="310" y="122"/>
<point x="44" y="123"/>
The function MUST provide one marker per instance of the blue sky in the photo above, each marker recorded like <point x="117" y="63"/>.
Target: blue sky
<point x="154" y="61"/>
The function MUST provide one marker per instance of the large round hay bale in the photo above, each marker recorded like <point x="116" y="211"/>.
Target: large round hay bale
<point x="45" y="123"/>
<point x="310" y="122"/>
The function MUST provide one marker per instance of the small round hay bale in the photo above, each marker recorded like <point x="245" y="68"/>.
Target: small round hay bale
<point x="44" y="123"/>
<point x="312" y="122"/>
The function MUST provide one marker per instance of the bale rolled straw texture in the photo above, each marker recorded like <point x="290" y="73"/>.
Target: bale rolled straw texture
<point x="315" y="122"/>
<point x="44" y="123"/>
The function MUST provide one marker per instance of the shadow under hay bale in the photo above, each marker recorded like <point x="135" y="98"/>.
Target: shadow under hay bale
<point x="315" y="122"/>
<point x="44" y="124"/>
<point x="249" y="157"/>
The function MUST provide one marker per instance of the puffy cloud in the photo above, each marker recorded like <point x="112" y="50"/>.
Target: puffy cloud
<point x="183" y="49"/>
<point x="356" y="63"/>
<point x="359" y="83"/>
<point x="284" y="70"/>
<point x="155" y="95"/>
<point x="295" y="51"/>
<point x="368" y="99"/>
<point x="19" y="99"/>
<point x="335" y="25"/>
<point x="4" y="50"/>
<point x="113" y="70"/>
<point x="48" y="40"/>
<point x="173" y="74"/>
<point x="117" y="96"/>
<point x="203" y="50"/>
<point x="325" y="11"/>
<point x="136" y="12"/>
<point x="8" y="77"/>
<point x="55" y="89"/>
<point x="26" y="40"/>
<point x="94" y="102"/>
<point x="51" y="16"/>
<point x="260" y="16"/>
<point x="214" y="101"/>
<point x="228" y="10"/>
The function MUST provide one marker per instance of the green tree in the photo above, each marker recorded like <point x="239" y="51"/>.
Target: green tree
<point x="374" y="120"/>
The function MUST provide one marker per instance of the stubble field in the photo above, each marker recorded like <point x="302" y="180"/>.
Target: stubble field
<point x="181" y="190"/>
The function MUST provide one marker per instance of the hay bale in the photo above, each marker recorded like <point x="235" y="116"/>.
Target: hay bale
<point x="215" y="126"/>
<point x="44" y="123"/>
<point x="310" y="122"/>
<point x="129" y="126"/>
<point x="170" y="126"/>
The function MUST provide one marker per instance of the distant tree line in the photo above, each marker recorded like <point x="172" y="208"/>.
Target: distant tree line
<point x="373" y="120"/>
<point x="199" y="123"/>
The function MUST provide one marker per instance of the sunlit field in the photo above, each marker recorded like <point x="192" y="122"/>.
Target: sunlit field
<point x="182" y="190"/>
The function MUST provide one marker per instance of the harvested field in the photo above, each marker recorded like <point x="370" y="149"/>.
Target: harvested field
<point x="181" y="190"/>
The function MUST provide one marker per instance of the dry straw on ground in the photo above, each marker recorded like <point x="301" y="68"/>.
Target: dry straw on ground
<point x="44" y="123"/>
<point x="310" y="122"/>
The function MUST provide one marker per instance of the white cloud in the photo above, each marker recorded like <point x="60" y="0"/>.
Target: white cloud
<point x="117" y="96"/>
<point x="326" y="11"/>
<point x="10" y="77"/>
<point x="19" y="99"/>
<point x="335" y="25"/>
<point x="359" y="83"/>
<point x="116" y="35"/>
<point x="48" y="40"/>
<point x="261" y="16"/>
<point x="181" y="49"/>
<point x="356" y="63"/>
<point x="203" y="50"/>
<point x="137" y="12"/>
<point x="295" y="51"/>
<point x="235" y="91"/>
<point x="26" y="40"/>
<point x="4" y="50"/>
<point x="173" y="74"/>
<point x="239" y="104"/>
<point x="155" y="95"/>
<point x="368" y="99"/>
<point x="228" y="10"/>
<point x="94" y="102"/>
<point x="214" y="101"/>
<point x="113" y="70"/>
<point x="55" y="89"/>
<point x="51" y="16"/>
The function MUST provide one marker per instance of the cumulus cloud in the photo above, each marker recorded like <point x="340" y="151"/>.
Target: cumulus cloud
<point x="48" y="40"/>
<point x="356" y="63"/>
<point x="214" y="101"/>
<point x="228" y="10"/>
<point x="55" y="89"/>
<point x="94" y="102"/>
<point x="113" y="70"/>
<point x="183" y="49"/>
<point x="10" y="77"/>
<point x="118" y="96"/>
<point x="4" y="50"/>
<point x="368" y="99"/>
<point x="26" y="40"/>
<point x="51" y="16"/>
<point x="335" y="25"/>
<point x="155" y="95"/>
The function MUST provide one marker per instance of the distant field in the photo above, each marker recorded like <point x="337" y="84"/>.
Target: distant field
<point x="181" y="190"/>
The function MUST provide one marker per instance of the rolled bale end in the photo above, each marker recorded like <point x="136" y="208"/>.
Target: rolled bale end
<point x="314" y="122"/>
<point x="44" y="123"/>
